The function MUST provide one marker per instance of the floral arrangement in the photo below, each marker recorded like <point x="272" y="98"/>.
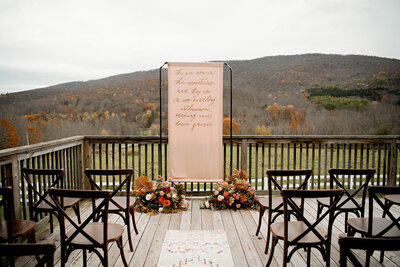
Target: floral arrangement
<point x="234" y="193"/>
<point x="158" y="196"/>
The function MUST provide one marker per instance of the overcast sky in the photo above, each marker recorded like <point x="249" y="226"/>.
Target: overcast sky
<point x="47" y="42"/>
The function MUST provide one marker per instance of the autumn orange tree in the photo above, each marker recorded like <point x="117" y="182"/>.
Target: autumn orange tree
<point x="8" y="135"/>
<point x="226" y="126"/>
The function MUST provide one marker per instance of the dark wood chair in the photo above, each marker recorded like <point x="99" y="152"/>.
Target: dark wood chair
<point x="364" y="243"/>
<point x="304" y="233"/>
<point x="89" y="235"/>
<point x="348" y="203"/>
<point x="278" y="180"/>
<point x="46" y="250"/>
<point x="121" y="203"/>
<point x="10" y="228"/>
<point x="39" y="181"/>
<point x="376" y="227"/>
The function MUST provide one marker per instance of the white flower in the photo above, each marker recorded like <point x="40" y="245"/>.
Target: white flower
<point x="216" y="192"/>
<point x="174" y="195"/>
<point x="160" y="209"/>
<point x="207" y="204"/>
<point x="148" y="197"/>
<point x="220" y="198"/>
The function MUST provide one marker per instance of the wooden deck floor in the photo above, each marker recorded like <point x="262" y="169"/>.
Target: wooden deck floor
<point x="246" y="248"/>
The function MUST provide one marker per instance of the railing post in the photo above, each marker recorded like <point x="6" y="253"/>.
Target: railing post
<point x="85" y="162"/>
<point x="243" y="158"/>
<point x="14" y="183"/>
<point x="392" y="164"/>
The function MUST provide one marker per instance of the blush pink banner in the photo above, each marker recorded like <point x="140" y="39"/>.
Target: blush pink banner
<point x="195" y="93"/>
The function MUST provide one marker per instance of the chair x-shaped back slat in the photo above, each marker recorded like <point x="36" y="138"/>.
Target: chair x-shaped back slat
<point x="26" y="173"/>
<point x="373" y="197"/>
<point x="57" y="196"/>
<point x="91" y="173"/>
<point x="334" y="173"/>
<point x="288" y="196"/>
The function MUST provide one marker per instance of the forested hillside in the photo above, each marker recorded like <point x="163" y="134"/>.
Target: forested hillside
<point x="301" y="94"/>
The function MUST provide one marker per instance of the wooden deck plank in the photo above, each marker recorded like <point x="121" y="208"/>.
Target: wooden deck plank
<point x="186" y="218"/>
<point x="246" y="248"/>
<point x="195" y="223"/>
<point x="141" y="252"/>
<point x="239" y="258"/>
<point x="155" y="249"/>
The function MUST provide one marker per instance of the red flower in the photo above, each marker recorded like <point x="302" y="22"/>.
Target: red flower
<point x="166" y="203"/>
<point x="226" y="194"/>
<point x="242" y="198"/>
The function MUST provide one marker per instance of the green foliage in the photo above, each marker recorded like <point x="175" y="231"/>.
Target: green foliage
<point x="383" y="129"/>
<point x="370" y="93"/>
<point x="331" y="103"/>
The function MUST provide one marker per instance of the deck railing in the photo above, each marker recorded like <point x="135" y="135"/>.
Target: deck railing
<point x="254" y="154"/>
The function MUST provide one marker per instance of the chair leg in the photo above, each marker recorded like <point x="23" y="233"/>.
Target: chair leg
<point x="346" y="216"/>
<point x="367" y="259"/>
<point x="274" y="242"/>
<point x="77" y="212"/>
<point x="308" y="257"/>
<point x="51" y="222"/>
<point x="382" y="256"/>
<point x="128" y="225"/>
<point x="121" y="248"/>
<point x="319" y="210"/>
<point x="268" y="233"/>
<point x="262" y="210"/>
<point x="85" y="257"/>
<point x="134" y="222"/>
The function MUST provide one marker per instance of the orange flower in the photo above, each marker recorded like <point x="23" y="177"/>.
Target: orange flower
<point x="161" y="200"/>
<point x="226" y="194"/>
<point x="166" y="203"/>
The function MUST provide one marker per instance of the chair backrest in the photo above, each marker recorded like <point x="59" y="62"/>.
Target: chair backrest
<point x="6" y="211"/>
<point x="373" y="193"/>
<point x="125" y="182"/>
<point x="365" y="243"/>
<point x="288" y="201"/>
<point x="287" y="179"/>
<point x="28" y="249"/>
<point x="39" y="181"/>
<point x="347" y="179"/>
<point x="102" y="208"/>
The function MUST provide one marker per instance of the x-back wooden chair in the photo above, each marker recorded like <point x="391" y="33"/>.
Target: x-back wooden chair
<point x="376" y="227"/>
<point x="280" y="179"/>
<point x="89" y="235"/>
<point x="304" y="233"/>
<point x="121" y="202"/>
<point x="39" y="181"/>
<point x="10" y="228"/>
<point x="37" y="249"/>
<point x="349" y="203"/>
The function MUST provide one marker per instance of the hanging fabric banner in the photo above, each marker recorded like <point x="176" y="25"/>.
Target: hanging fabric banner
<point x="195" y="92"/>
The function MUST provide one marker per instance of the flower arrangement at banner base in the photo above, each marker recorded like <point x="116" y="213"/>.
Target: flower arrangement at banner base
<point x="157" y="196"/>
<point x="233" y="193"/>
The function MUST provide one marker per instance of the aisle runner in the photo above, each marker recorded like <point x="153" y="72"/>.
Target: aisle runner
<point x="195" y="248"/>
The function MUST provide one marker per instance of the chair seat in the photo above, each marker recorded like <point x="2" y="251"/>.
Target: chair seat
<point x="121" y="201"/>
<point x="276" y="201"/>
<point x="68" y="202"/>
<point x="347" y="206"/>
<point x="95" y="230"/>
<point x="395" y="199"/>
<point x="295" y="228"/>
<point x="19" y="228"/>
<point x="360" y="225"/>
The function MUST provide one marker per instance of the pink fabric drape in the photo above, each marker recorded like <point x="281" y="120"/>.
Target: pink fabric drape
<point x="195" y="92"/>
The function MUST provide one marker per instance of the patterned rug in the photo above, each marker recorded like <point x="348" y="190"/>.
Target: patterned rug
<point x="195" y="248"/>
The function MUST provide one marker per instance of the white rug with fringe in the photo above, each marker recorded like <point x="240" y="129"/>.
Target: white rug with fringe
<point x="195" y="248"/>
